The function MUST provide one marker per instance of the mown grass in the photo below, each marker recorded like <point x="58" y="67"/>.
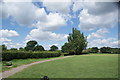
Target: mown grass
<point x="19" y="62"/>
<point x="80" y="66"/>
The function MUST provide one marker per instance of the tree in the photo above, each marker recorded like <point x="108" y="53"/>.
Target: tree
<point x="76" y="42"/>
<point x="94" y="49"/>
<point x="67" y="48"/>
<point x="21" y="49"/>
<point x="39" y="48"/>
<point x="3" y="47"/>
<point x="30" y="45"/>
<point x="105" y="50"/>
<point x="53" y="48"/>
<point x="13" y="49"/>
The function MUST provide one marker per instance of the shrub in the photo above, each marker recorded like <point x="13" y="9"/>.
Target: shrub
<point x="85" y="52"/>
<point x="10" y="55"/>
<point x="7" y="63"/>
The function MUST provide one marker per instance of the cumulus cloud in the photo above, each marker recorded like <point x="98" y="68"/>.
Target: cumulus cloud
<point x="40" y="35"/>
<point x="27" y="14"/>
<point x="61" y="6"/>
<point x="98" y="34"/>
<point x="99" y="39"/>
<point x="8" y="33"/>
<point x="108" y="42"/>
<point x="97" y="14"/>
<point x="5" y="40"/>
<point x="53" y="21"/>
<point x="23" y="13"/>
<point x="13" y="45"/>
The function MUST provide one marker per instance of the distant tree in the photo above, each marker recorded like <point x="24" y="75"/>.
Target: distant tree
<point x="105" y="50"/>
<point x="21" y="49"/>
<point x="76" y="41"/>
<point x="94" y="49"/>
<point x="3" y="47"/>
<point x="13" y="49"/>
<point x="39" y="48"/>
<point x="115" y="50"/>
<point x="53" y="48"/>
<point x="30" y="45"/>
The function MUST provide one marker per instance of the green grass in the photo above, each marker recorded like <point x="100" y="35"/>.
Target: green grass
<point x="80" y="66"/>
<point x="19" y="62"/>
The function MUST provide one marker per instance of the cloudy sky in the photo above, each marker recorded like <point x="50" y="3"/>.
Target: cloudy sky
<point x="49" y="23"/>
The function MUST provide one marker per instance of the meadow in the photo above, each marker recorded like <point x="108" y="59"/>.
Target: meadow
<point x="78" y="66"/>
<point x="19" y="62"/>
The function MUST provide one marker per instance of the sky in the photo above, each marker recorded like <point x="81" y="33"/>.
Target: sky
<point x="49" y="23"/>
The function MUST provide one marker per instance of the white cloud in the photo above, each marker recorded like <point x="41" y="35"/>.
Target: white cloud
<point x="61" y="6"/>
<point x="98" y="34"/>
<point x="91" y="22"/>
<point x="40" y="35"/>
<point x="4" y="40"/>
<point x="78" y="5"/>
<point x="53" y="21"/>
<point x="13" y="45"/>
<point x="8" y="33"/>
<point x="24" y="13"/>
<point x="108" y="42"/>
<point x="99" y="39"/>
<point x="27" y="14"/>
<point x="96" y="14"/>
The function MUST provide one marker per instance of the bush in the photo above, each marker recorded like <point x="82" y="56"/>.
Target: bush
<point x="85" y="52"/>
<point x="10" y="55"/>
<point x="7" y="63"/>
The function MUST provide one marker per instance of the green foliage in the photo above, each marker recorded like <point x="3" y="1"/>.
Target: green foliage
<point x="115" y="50"/>
<point x="94" y="50"/>
<point x="3" y="47"/>
<point x="85" y="51"/>
<point x="53" y="48"/>
<point x="21" y="49"/>
<point x="67" y="48"/>
<point x="13" y="49"/>
<point x="105" y="50"/>
<point x="7" y="63"/>
<point x="76" y="42"/>
<point x="39" y="48"/>
<point x="30" y="45"/>
<point x="10" y="55"/>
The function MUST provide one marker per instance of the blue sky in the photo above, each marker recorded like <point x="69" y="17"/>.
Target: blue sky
<point x="49" y="23"/>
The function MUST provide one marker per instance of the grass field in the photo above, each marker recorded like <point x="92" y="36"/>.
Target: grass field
<point x="19" y="62"/>
<point x="80" y="66"/>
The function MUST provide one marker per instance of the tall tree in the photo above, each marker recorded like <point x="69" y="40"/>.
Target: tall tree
<point x="53" y="48"/>
<point x="39" y="48"/>
<point x="31" y="45"/>
<point x="76" y="41"/>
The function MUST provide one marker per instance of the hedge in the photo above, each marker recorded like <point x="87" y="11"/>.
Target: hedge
<point x="10" y="55"/>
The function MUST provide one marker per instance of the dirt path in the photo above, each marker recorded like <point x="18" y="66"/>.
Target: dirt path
<point x="12" y="71"/>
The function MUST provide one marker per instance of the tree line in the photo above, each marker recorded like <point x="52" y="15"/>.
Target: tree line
<point x="31" y="45"/>
<point x="75" y="45"/>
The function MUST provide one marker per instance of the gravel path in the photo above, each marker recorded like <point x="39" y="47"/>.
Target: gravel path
<point x="12" y="71"/>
